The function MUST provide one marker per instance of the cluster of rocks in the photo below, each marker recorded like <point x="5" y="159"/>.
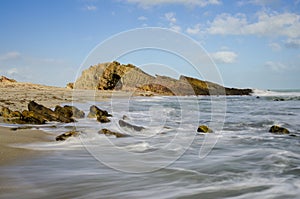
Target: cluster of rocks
<point x="39" y="114"/>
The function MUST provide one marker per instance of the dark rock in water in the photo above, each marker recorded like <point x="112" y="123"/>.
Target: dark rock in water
<point x="278" y="99"/>
<point x="95" y="112"/>
<point x="67" y="135"/>
<point x="204" y="129"/>
<point x="108" y="132"/>
<point x="103" y="119"/>
<point x="122" y="123"/>
<point x="48" y="114"/>
<point x="69" y="111"/>
<point x="279" y="130"/>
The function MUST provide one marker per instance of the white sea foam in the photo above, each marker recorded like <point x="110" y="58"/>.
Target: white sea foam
<point x="257" y="92"/>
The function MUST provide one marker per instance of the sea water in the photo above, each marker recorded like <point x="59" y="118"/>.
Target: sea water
<point x="169" y="158"/>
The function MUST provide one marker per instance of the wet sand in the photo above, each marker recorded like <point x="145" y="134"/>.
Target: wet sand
<point x="9" y="139"/>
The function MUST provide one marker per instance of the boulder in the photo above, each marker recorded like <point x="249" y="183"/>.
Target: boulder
<point x="204" y="129"/>
<point x="122" y="123"/>
<point x="69" y="111"/>
<point x="67" y="135"/>
<point x="76" y="112"/>
<point x="278" y="130"/>
<point x="96" y="112"/>
<point x="108" y="132"/>
<point x="103" y="119"/>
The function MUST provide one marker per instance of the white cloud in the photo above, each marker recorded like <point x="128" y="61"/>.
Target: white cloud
<point x="193" y="30"/>
<point x="274" y="24"/>
<point x="10" y="56"/>
<point x="275" y="66"/>
<point x="224" y="57"/>
<point x="260" y="2"/>
<point x="170" y="17"/>
<point x="293" y="43"/>
<point x="189" y="3"/>
<point x="275" y="46"/>
<point x="227" y="24"/>
<point x="142" y="18"/>
<point x="90" y="8"/>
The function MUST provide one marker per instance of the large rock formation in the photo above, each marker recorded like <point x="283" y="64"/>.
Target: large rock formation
<point x="116" y="76"/>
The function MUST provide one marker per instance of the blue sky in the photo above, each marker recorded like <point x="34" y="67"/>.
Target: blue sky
<point x="254" y="43"/>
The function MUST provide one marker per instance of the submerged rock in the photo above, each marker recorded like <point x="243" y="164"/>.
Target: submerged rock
<point x="204" y="129"/>
<point x="122" y="123"/>
<point x="67" y="135"/>
<point x="96" y="112"/>
<point x="278" y="130"/>
<point x="108" y="132"/>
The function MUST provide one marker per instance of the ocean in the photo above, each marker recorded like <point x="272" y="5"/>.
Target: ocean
<point x="168" y="158"/>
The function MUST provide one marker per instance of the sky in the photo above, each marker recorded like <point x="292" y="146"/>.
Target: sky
<point x="252" y="43"/>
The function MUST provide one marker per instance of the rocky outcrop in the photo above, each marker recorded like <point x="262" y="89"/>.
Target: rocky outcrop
<point x="204" y="129"/>
<point x="108" y="133"/>
<point x="15" y="117"/>
<point x="4" y="79"/>
<point x="278" y="130"/>
<point x="116" y="76"/>
<point x="48" y="114"/>
<point x="67" y="135"/>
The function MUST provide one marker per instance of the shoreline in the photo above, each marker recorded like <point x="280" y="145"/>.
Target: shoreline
<point x="17" y="95"/>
